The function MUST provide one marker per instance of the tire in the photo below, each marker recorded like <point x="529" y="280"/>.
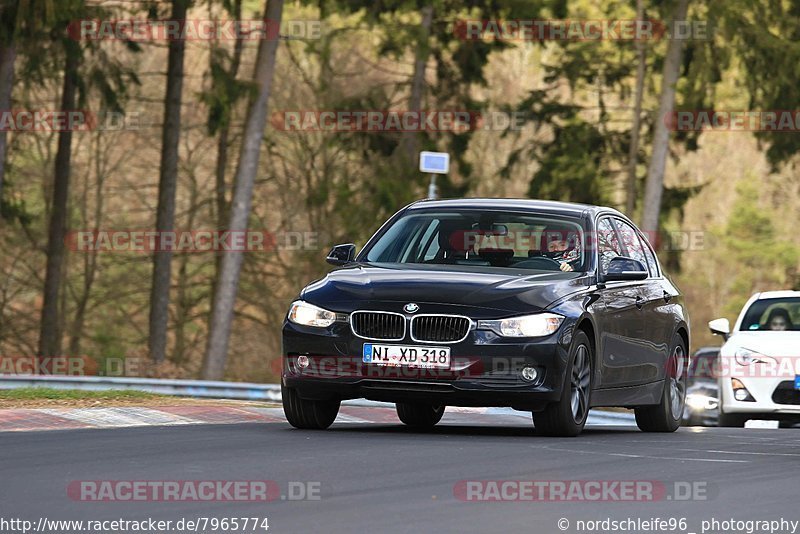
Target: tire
<point x="308" y="414"/>
<point x="666" y="415"/>
<point x="422" y="416"/>
<point x="567" y="417"/>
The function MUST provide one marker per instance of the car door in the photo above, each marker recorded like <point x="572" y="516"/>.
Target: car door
<point x="621" y="322"/>
<point x="652" y="349"/>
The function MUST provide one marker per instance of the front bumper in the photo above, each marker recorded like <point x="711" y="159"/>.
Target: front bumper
<point x="484" y="371"/>
<point x="765" y="391"/>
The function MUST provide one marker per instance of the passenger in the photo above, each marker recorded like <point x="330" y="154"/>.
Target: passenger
<point x="779" y="320"/>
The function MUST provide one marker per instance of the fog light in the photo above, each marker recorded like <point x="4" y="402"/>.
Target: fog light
<point x="530" y="374"/>
<point x="302" y="362"/>
<point x="740" y="392"/>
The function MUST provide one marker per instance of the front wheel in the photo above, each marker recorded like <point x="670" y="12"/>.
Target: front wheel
<point x="420" y="415"/>
<point x="308" y="414"/>
<point x="666" y="415"/>
<point x="567" y="417"/>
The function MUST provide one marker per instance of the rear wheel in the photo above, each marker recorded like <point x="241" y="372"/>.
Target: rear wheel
<point x="567" y="417"/>
<point x="308" y="414"/>
<point x="666" y="415"/>
<point x="420" y="415"/>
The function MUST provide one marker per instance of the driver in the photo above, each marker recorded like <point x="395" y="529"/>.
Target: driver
<point x="559" y="245"/>
<point x="779" y="320"/>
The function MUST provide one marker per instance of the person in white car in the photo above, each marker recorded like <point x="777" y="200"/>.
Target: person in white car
<point x="779" y="320"/>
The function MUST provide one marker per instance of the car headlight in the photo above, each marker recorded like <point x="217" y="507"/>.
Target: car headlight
<point x="538" y="325"/>
<point x="746" y="357"/>
<point x="306" y="314"/>
<point x="699" y="402"/>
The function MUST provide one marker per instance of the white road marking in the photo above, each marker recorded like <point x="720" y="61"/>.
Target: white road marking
<point x="120" y="417"/>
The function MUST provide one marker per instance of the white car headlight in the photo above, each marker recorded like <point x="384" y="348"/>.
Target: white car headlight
<point x="746" y="356"/>
<point x="698" y="402"/>
<point x="538" y="325"/>
<point x="306" y="314"/>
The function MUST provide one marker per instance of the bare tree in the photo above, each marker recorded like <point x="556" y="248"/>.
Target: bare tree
<point x="654" y="189"/>
<point x="8" y="56"/>
<point x="50" y="326"/>
<point x="409" y="141"/>
<point x="636" y="123"/>
<point x="167" y="186"/>
<point x="228" y="282"/>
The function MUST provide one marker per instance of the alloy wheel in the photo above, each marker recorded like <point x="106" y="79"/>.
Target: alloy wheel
<point x="579" y="384"/>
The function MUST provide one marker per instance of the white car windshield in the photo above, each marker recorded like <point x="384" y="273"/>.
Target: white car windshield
<point x="778" y="314"/>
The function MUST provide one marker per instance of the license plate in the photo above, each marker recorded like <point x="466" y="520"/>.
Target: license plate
<point x="400" y="355"/>
<point x="796" y="381"/>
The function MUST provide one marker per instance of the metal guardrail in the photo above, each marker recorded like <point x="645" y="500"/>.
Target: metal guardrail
<point x="175" y="387"/>
<point x="207" y="389"/>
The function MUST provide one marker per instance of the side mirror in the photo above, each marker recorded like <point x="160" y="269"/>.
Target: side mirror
<point x="622" y="269"/>
<point x="342" y="254"/>
<point x="720" y="327"/>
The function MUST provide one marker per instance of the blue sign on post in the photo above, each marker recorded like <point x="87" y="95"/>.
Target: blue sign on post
<point x="434" y="162"/>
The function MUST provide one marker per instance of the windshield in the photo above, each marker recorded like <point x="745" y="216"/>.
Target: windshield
<point x="773" y="314"/>
<point x="482" y="239"/>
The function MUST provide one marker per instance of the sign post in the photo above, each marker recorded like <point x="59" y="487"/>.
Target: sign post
<point x="434" y="163"/>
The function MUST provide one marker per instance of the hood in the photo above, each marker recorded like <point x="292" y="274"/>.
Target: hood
<point x="768" y="343"/>
<point x="485" y="287"/>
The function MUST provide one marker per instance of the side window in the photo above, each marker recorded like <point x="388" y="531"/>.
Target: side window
<point x="652" y="264"/>
<point x="608" y="246"/>
<point x="430" y="243"/>
<point x="630" y="239"/>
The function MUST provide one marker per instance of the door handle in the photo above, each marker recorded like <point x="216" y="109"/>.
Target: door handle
<point x="639" y="302"/>
<point x="667" y="297"/>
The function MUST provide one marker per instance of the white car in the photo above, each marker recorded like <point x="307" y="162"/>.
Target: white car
<point x="759" y="365"/>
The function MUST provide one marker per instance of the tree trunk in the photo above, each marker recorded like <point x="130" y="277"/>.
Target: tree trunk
<point x="184" y="301"/>
<point x="410" y="141"/>
<point x="228" y="282"/>
<point x="167" y="185"/>
<point x="224" y="134"/>
<point x="636" y="125"/>
<point x="654" y="189"/>
<point x="50" y="330"/>
<point x="89" y="258"/>
<point x="8" y="56"/>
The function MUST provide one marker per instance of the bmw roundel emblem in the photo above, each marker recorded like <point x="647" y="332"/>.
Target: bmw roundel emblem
<point x="411" y="307"/>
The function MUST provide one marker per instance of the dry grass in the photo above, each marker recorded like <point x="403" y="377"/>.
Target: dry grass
<point x="53" y="398"/>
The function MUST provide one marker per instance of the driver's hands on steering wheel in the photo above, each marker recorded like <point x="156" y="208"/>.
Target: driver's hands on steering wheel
<point x="566" y="267"/>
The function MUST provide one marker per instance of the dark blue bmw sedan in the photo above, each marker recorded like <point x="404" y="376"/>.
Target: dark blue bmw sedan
<point x="546" y="307"/>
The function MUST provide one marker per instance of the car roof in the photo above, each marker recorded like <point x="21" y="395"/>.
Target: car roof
<point x="777" y="294"/>
<point x="551" y="206"/>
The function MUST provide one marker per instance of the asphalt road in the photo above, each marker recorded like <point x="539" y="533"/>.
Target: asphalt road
<point x="387" y="478"/>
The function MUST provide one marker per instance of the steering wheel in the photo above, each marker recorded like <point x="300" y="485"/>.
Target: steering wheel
<point x="540" y="262"/>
